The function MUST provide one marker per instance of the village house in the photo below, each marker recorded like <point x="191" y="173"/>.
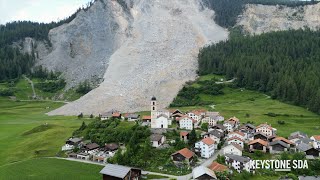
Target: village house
<point x="210" y="120"/>
<point x="183" y="155"/>
<point x="113" y="171"/>
<point x="248" y="130"/>
<point x="266" y="129"/>
<point x="258" y="144"/>
<point x="176" y="113"/>
<point x="205" y="147"/>
<point x="110" y="114"/>
<point x="184" y="136"/>
<point x="239" y="163"/>
<point x="111" y="149"/>
<point x="237" y="134"/>
<point x="186" y="122"/>
<point x="259" y="135"/>
<point x="216" y="167"/>
<point x="216" y="115"/>
<point x="203" y="173"/>
<point x="83" y="156"/>
<point x="90" y="148"/>
<point x="197" y="114"/>
<point x="71" y="144"/>
<point x="216" y="135"/>
<point x="230" y="125"/>
<point x="291" y="145"/>
<point x="236" y="140"/>
<point x="315" y="141"/>
<point x="308" y="150"/>
<point x="131" y="116"/>
<point x="218" y="127"/>
<point x="100" y="157"/>
<point x="297" y="135"/>
<point x="233" y="149"/>
<point x="278" y="147"/>
<point x="157" y="140"/>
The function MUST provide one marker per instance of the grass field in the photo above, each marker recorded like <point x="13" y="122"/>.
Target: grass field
<point x="50" y="169"/>
<point x="253" y="106"/>
<point x="18" y="119"/>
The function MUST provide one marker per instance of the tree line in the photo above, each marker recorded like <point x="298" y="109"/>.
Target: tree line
<point x="284" y="64"/>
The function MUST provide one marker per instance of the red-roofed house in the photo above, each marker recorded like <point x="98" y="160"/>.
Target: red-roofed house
<point x="205" y="147"/>
<point x="258" y="144"/>
<point x="184" y="155"/>
<point x="316" y="141"/>
<point x="216" y="167"/>
<point x="236" y="140"/>
<point x="184" y="136"/>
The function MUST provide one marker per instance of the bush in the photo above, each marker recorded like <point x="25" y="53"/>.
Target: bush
<point x="6" y="92"/>
<point x="281" y="122"/>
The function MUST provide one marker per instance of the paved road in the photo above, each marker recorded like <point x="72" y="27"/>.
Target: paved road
<point x="205" y="162"/>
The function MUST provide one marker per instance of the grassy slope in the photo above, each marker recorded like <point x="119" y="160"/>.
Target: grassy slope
<point x="45" y="168"/>
<point x="17" y="118"/>
<point x="239" y="102"/>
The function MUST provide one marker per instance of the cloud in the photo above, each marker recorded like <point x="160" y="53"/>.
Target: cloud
<point x="38" y="10"/>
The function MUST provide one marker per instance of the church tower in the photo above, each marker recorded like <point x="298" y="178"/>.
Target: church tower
<point x="153" y="112"/>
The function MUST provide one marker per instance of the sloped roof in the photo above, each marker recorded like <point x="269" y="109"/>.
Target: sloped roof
<point x="184" y="133"/>
<point x="233" y="119"/>
<point x="278" y="142"/>
<point x="237" y="146"/>
<point x="201" y="170"/>
<point x="233" y="138"/>
<point x="215" y="133"/>
<point x="260" y="141"/>
<point x="185" y="152"/>
<point x="215" y="166"/>
<point x="238" y="132"/>
<point x="242" y="159"/>
<point x="283" y="139"/>
<point x="92" y="146"/>
<point x="146" y="117"/>
<point x="316" y="137"/>
<point x="156" y="137"/>
<point x="131" y="115"/>
<point x="265" y="125"/>
<point x="304" y="147"/>
<point x="115" y="170"/>
<point x="208" y="141"/>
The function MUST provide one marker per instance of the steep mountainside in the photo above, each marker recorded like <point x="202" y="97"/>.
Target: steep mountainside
<point x="258" y="19"/>
<point x="143" y="48"/>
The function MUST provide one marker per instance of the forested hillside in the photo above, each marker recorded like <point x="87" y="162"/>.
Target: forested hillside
<point x="227" y="11"/>
<point x="13" y="63"/>
<point x="284" y="64"/>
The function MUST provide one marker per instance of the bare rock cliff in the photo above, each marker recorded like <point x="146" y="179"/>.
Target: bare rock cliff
<point x="258" y="19"/>
<point x="146" y="48"/>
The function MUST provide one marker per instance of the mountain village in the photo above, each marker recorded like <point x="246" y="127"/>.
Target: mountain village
<point x="228" y="138"/>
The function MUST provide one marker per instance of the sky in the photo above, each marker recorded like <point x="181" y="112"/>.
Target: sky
<point x="38" y="10"/>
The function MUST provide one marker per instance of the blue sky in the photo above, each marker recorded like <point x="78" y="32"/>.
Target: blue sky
<point x="38" y="10"/>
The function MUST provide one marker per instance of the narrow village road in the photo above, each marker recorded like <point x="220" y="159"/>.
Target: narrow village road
<point x="205" y="162"/>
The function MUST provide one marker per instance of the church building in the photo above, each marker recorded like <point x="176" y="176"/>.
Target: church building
<point x="159" y="118"/>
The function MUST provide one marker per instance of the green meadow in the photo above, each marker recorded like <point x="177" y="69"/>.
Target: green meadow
<point x="254" y="106"/>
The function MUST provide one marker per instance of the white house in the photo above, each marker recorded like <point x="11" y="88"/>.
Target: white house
<point x="266" y="129"/>
<point x="233" y="149"/>
<point x="236" y="140"/>
<point x="239" y="163"/>
<point x="186" y="122"/>
<point x="237" y="134"/>
<point x="216" y="115"/>
<point x="71" y="144"/>
<point x="196" y="114"/>
<point x="229" y="125"/>
<point x="315" y="141"/>
<point x="215" y="134"/>
<point x="210" y="120"/>
<point x="157" y="140"/>
<point x="205" y="147"/>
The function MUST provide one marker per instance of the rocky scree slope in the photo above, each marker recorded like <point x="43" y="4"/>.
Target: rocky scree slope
<point x="143" y="48"/>
<point x="257" y="19"/>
